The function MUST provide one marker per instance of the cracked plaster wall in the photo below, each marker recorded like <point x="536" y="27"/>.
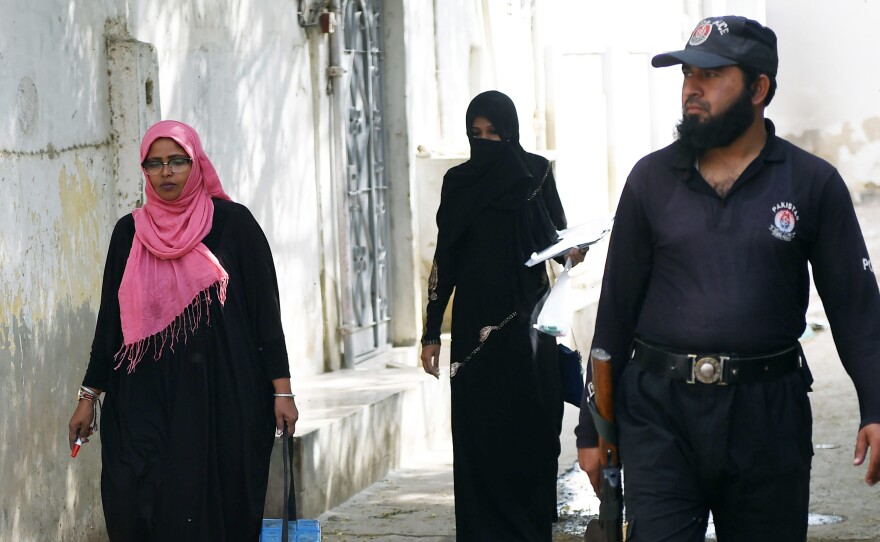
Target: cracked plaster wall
<point x="57" y="208"/>
<point x="244" y="78"/>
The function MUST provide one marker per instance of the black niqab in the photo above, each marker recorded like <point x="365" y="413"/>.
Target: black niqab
<point x="499" y="174"/>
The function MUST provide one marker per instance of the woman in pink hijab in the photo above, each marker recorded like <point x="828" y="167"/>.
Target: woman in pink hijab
<point x="190" y="351"/>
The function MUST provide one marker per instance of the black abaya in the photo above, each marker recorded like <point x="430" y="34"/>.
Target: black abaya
<point x="186" y="438"/>
<point x="506" y="394"/>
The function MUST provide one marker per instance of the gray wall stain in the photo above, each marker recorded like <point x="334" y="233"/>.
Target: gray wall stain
<point x="854" y="149"/>
<point x="39" y="380"/>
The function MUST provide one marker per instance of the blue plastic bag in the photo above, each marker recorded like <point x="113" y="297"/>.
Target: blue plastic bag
<point x="301" y="530"/>
<point x="298" y="530"/>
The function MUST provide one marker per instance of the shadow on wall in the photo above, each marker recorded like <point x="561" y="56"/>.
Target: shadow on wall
<point x="244" y="79"/>
<point x="56" y="163"/>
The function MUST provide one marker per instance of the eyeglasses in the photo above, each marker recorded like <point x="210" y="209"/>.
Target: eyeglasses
<point x="176" y="165"/>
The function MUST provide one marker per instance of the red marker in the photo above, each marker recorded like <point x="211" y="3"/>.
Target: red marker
<point x="76" y="447"/>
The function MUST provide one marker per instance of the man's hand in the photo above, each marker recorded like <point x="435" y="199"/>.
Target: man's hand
<point x="431" y="359"/>
<point x="588" y="459"/>
<point x="869" y="437"/>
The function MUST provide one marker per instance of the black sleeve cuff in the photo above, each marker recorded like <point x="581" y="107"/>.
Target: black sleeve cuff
<point x="98" y="372"/>
<point x="274" y="356"/>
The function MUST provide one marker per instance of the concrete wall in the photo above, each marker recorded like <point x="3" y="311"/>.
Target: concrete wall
<point x="410" y="119"/>
<point x="475" y="45"/>
<point x="243" y="77"/>
<point x="828" y="100"/>
<point x="83" y="81"/>
<point x="57" y="188"/>
<point x="607" y="107"/>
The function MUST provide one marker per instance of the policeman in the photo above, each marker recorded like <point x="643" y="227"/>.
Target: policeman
<point x="704" y="298"/>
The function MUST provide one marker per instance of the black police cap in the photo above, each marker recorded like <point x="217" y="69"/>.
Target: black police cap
<point x="726" y="41"/>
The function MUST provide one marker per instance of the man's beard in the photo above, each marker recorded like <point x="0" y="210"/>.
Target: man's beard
<point x="718" y="130"/>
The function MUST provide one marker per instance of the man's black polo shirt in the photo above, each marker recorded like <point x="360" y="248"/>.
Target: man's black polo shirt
<point x="695" y="272"/>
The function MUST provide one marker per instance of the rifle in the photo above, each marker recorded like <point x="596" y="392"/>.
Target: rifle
<point x="609" y="525"/>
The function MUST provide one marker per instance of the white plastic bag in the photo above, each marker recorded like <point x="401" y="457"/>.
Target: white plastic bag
<point x="555" y="316"/>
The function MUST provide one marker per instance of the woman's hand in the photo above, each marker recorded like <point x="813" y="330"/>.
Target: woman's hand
<point x="80" y="425"/>
<point x="576" y="255"/>
<point x="431" y="359"/>
<point x="285" y="407"/>
<point x="285" y="411"/>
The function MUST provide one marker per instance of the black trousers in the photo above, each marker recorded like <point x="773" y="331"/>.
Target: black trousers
<point x="742" y="452"/>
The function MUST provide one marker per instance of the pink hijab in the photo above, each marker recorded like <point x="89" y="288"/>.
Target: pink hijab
<point x="169" y="273"/>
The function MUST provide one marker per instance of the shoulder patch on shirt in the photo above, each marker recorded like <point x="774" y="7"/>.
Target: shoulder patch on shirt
<point x="785" y="217"/>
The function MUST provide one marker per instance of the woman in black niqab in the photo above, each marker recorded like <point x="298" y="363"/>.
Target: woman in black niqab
<point x="495" y="210"/>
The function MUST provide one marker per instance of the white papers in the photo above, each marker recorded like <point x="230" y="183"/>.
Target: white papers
<point x="580" y="236"/>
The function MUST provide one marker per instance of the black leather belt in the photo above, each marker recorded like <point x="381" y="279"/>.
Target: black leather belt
<point x="718" y="369"/>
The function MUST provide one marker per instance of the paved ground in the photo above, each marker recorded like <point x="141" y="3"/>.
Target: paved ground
<point x="838" y="488"/>
<point x="416" y="502"/>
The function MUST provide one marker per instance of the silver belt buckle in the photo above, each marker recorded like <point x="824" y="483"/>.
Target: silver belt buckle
<point x="707" y="369"/>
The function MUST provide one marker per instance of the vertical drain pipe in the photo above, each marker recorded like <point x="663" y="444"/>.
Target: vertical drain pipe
<point x="539" y="118"/>
<point x="339" y="176"/>
<point x="441" y="120"/>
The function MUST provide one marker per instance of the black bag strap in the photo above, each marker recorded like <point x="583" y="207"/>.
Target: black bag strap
<point x="289" y="512"/>
<point x="607" y="430"/>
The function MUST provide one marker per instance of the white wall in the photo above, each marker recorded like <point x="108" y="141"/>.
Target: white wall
<point x="609" y="107"/>
<point x="828" y="100"/>
<point x="479" y="45"/>
<point x="243" y="78"/>
<point x="253" y="83"/>
<point x="246" y="79"/>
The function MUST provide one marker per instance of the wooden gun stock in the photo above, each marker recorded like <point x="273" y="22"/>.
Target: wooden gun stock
<point x="603" y="386"/>
<point x="608" y="527"/>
